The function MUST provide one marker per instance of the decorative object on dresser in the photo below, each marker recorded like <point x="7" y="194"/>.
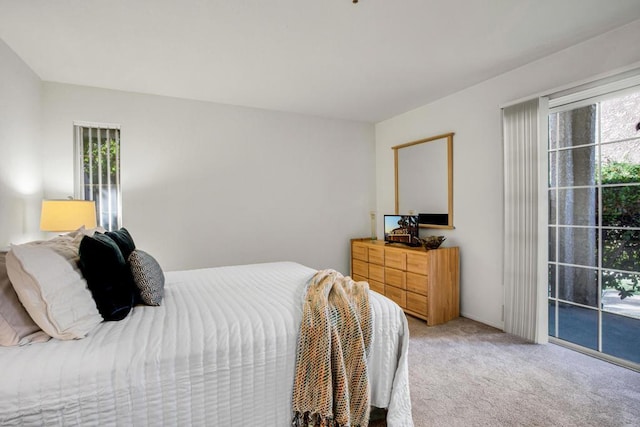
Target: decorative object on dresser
<point x="374" y="232"/>
<point x="425" y="283"/>
<point x="432" y="242"/>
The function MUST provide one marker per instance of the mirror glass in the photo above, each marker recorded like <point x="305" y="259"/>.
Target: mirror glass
<point x="424" y="180"/>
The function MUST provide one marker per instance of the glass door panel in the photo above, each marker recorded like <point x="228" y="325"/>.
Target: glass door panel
<point x="594" y="226"/>
<point x="578" y="325"/>
<point x="578" y="285"/>
<point x="621" y="336"/>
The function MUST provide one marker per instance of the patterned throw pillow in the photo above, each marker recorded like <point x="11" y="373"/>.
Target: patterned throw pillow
<point x="148" y="276"/>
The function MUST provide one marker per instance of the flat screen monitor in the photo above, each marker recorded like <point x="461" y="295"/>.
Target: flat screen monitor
<point x="401" y="229"/>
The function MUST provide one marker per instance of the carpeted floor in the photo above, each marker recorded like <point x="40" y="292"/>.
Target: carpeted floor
<point x="464" y="373"/>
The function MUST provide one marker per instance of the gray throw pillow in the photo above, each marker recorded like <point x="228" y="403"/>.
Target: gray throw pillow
<point x="148" y="276"/>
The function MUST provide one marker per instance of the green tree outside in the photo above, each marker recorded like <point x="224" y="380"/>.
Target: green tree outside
<point x="621" y="245"/>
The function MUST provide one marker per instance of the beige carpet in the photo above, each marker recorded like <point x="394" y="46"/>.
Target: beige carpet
<point x="464" y="373"/>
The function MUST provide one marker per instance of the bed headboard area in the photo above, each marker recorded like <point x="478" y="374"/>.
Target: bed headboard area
<point x="65" y="286"/>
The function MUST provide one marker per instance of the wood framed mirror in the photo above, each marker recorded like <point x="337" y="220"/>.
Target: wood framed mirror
<point x="424" y="180"/>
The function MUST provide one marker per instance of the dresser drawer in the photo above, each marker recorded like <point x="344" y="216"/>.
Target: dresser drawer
<point x="417" y="262"/>
<point x="417" y="283"/>
<point x="417" y="303"/>
<point x="395" y="258"/>
<point x="376" y="255"/>
<point x="360" y="268"/>
<point x="376" y="286"/>
<point x="396" y="295"/>
<point x="395" y="278"/>
<point x="376" y="272"/>
<point x="360" y="251"/>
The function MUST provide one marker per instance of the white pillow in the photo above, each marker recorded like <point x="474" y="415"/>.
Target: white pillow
<point x="83" y="232"/>
<point x="16" y="326"/>
<point x="52" y="289"/>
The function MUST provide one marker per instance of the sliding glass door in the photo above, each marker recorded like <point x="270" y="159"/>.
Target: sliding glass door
<point x="594" y="224"/>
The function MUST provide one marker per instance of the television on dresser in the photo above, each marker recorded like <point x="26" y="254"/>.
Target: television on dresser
<point x="401" y="229"/>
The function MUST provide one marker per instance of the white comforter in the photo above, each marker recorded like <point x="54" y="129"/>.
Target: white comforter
<point x="220" y="351"/>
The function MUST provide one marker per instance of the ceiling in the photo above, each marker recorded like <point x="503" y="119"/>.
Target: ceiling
<point x="368" y="61"/>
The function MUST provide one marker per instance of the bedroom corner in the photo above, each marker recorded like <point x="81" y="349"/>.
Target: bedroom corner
<point x="20" y="166"/>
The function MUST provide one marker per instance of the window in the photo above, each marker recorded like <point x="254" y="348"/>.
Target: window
<point x="97" y="170"/>
<point x="594" y="224"/>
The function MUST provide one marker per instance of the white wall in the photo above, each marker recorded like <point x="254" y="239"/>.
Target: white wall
<point x="20" y="176"/>
<point x="474" y="115"/>
<point x="207" y="184"/>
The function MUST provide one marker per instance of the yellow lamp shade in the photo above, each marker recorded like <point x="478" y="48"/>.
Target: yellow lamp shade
<point x="67" y="215"/>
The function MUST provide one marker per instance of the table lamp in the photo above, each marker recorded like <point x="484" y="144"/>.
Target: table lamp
<point x="67" y="215"/>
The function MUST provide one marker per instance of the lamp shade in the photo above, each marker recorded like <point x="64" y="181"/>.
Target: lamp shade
<point x="67" y="215"/>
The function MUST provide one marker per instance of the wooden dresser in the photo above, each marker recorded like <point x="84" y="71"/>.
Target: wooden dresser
<point x="426" y="284"/>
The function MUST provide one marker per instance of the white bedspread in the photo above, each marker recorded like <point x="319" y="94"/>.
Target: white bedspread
<point x="220" y="351"/>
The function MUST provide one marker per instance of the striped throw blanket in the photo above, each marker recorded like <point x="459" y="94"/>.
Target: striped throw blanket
<point x="331" y="385"/>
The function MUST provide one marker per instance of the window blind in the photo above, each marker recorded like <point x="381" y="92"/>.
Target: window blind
<point x="97" y="168"/>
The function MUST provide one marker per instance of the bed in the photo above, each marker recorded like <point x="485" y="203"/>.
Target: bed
<point x="219" y="351"/>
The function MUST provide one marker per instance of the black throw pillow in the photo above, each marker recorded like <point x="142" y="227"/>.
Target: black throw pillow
<point x="108" y="276"/>
<point x="124" y="241"/>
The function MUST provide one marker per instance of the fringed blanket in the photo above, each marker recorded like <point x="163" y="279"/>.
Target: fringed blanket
<point x="331" y="385"/>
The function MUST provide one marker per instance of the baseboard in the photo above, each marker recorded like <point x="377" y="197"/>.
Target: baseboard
<point x="500" y="325"/>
